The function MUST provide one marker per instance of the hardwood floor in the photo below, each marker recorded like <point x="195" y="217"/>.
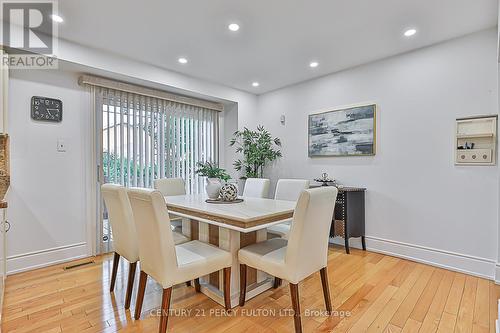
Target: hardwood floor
<point x="370" y="292"/>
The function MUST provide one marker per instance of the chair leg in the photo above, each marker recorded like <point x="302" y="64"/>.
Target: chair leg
<point x="130" y="284"/>
<point x="165" y="307"/>
<point x="197" y="287"/>
<point x="243" y="283"/>
<point x="363" y="243"/>
<point x="294" y="293"/>
<point x="116" y="259"/>
<point x="143" y="278"/>
<point x="277" y="282"/>
<point x="326" y="289"/>
<point x="227" y="288"/>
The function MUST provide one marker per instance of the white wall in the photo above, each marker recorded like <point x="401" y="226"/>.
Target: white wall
<point x="418" y="204"/>
<point x="47" y="196"/>
<point x="50" y="191"/>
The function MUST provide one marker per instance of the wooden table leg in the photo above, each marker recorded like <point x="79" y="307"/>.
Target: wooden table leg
<point x="227" y="288"/>
<point x="231" y="241"/>
<point x="243" y="283"/>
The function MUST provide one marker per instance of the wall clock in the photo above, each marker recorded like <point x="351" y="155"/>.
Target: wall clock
<point x="46" y="109"/>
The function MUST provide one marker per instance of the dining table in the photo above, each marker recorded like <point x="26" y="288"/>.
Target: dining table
<point x="230" y="226"/>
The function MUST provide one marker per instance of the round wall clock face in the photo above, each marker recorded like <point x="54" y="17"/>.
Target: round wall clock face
<point x="46" y="109"/>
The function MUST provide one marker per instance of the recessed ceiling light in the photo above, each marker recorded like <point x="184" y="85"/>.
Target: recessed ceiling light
<point x="56" y="18"/>
<point x="255" y="84"/>
<point x="233" y="27"/>
<point x="410" y="32"/>
<point x="182" y="60"/>
<point x="314" y="64"/>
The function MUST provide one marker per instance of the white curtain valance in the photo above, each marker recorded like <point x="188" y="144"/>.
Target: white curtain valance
<point x="148" y="92"/>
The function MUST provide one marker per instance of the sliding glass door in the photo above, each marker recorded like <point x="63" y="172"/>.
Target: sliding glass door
<point x="142" y="138"/>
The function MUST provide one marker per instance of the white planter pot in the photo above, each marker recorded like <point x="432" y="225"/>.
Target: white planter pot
<point x="240" y="185"/>
<point x="213" y="187"/>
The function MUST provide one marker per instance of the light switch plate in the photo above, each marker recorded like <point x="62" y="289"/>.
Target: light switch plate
<point x="61" y="145"/>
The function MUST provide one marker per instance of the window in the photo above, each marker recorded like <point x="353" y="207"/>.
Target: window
<point x="145" y="138"/>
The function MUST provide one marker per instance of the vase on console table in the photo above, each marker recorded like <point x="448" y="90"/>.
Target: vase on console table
<point x="213" y="188"/>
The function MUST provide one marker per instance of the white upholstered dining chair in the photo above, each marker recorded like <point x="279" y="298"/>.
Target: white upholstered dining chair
<point x="124" y="238"/>
<point x="256" y="187"/>
<point x="289" y="190"/>
<point x="124" y="234"/>
<point x="168" y="187"/>
<point x="305" y="252"/>
<point x="171" y="186"/>
<point x="165" y="262"/>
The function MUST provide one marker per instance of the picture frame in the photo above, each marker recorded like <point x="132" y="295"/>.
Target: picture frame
<point x="343" y="132"/>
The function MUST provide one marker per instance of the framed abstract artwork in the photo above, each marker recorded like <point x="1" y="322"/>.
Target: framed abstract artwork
<point x="349" y="131"/>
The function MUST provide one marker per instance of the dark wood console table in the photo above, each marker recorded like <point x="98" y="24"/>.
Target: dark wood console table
<point x="349" y="217"/>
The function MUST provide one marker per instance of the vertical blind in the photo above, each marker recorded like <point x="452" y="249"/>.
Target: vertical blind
<point x="146" y="138"/>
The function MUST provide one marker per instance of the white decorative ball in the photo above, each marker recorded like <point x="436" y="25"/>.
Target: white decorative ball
<point x="229" y="192"/>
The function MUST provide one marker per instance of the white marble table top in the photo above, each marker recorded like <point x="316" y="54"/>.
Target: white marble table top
<point x="252" y="213"/>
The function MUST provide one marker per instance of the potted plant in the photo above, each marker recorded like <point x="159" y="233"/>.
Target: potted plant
<point x="214" y="176"/>
<point x="258" y="148"/>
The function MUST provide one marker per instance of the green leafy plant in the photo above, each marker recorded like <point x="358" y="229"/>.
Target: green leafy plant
<point x="258" y="148"/>
<point x="212" y="170"/>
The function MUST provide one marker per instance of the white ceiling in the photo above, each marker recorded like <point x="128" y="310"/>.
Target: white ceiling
<point x="277" y="38"/>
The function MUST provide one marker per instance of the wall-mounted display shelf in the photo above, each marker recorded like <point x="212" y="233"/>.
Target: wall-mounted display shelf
<point x="478" y="135"/>
<point x="475" y="140"/>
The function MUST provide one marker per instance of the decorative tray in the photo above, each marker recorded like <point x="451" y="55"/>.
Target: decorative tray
<point x="325" y="181"/>
<point x="220" y="201"/>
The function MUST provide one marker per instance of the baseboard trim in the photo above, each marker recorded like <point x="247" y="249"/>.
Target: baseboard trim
<point x="454" y="261"/>
<point x="458" y="262"/>
<point x="46" y="257"/>
<point x="497" y="273"/>
<point x="463" y="263"/>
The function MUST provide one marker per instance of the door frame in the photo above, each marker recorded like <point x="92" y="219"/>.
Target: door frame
<point x="94" y="175"/>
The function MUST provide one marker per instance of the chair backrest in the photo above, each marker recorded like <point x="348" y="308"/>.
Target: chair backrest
<point x="256" y="188"/>
<point x="122" y="221"/>
<point x="307" y="249"/>
<point x="290" y="189"/>
<point x="156" y="243"/>
<point x="170" y="186"/>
